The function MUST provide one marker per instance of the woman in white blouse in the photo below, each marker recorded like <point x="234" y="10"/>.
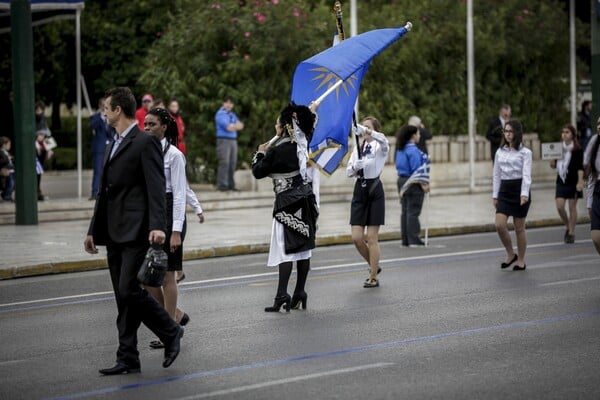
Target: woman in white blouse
<point x="591" y="162"/>
<point x="368" y="200"/>
<point x="511" y="192"/>
<point x="159" y="123"/>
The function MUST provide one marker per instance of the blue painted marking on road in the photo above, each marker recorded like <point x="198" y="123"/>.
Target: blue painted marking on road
<point x="351" y="350"/>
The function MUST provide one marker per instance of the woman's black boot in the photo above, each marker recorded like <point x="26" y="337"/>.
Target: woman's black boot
<point x="284" y="301"/>
<point x="297" y="299"/>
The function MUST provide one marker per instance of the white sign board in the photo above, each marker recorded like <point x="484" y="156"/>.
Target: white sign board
<point x="552" y="151"/>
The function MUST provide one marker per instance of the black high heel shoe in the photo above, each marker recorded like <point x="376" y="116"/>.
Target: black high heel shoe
<point x="297" y="299"/>
<point x="284" y="301"/>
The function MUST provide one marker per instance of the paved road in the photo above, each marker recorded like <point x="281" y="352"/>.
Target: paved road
<point x="446" y="323"/>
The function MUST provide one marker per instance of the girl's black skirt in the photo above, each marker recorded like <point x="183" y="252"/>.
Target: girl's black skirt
<point x="176" y="258"/>
<point x="566" y="191"/>
<point x="596" y="208"/>
<point x="509" y="199"/>
<point x="368" y="203"/>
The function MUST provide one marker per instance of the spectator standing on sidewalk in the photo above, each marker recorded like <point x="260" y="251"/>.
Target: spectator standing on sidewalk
<point x="7" y="169"/>
<point x="584" y="123"/>
<point x="569" y="180"/>
<point x="424" y="133"/>
<point x="140" y="113"/>
<point x="591" y="162"/>
<point x="129" y="215"/>
<point x="175" y="112"/>
<point x="411" y="166"/>
<point x="227" y="125"/>
<point x="511" y="193"/>
<point x="367" y="209"/>
<point x="496" y="128"/>
<point x="101" y="137"/>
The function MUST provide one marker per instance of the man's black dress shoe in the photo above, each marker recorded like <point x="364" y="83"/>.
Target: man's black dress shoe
<point x="119" y="369"/>
<point x="172" y="349"/>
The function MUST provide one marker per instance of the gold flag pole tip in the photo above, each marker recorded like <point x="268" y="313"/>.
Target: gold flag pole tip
<point x="408" y="26"/>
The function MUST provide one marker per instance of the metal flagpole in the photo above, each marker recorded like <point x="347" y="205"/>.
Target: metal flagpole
<point x="427" y="208"/>
<point x="572" y="62"/>
<point x="78" y="75"/>
<point x="471" y="93"/>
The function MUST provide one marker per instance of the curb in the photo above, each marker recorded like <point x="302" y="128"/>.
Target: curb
<point x="197" y="254"/>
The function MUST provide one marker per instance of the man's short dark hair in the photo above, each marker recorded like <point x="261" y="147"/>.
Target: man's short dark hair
<point x="124" y="98"/>
<point x="228" y="98"/>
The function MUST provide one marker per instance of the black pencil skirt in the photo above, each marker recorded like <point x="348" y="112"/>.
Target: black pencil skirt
<point x="175" y="258"/>
<point x="595" y="214"/>
<point x="509" y="199"/>
<point x="566" y="191"/>
<point x="368" y="203"/>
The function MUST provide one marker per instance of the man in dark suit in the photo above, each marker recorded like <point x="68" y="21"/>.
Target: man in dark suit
<point x="496" y="129"/>
<point x="102" y="137"/>
<point x="129" y="214"/>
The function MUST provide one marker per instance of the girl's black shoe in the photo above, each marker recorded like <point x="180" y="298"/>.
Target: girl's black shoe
<point x="284" y="301"/>
<point x="297" y="299"/>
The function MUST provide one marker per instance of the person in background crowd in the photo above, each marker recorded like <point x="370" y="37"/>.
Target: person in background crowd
<point x="495" y="129"/>
<point x="227" y="125"/>
<point x="129" y="215"/>
<point x="140" y="113"/>
<point x="101" y="137"/>
<point x="295" y="211"/>
<point x="424" y="133"/>
<point x="7" y="169"/>
<point x="158" y="103"/>
<point x="511" y="196"/>
<point x="43" y="153"/>
<point x="410" y="161"/>
<point x="591" y="161"/>
<point x="368" y="199"/>
<point x="41" y="123"/>
<point x="584" y="123"/>
<point x="569" y="180"/>
<point x="175" y="112"/>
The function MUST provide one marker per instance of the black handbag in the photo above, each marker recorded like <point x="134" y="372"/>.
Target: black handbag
<point x="153" y="269"/>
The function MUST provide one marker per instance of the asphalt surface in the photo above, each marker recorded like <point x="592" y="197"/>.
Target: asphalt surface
<point x="446" y="323"/>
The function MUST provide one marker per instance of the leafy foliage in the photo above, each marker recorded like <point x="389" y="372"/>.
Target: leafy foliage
<point x="199" y="51"/>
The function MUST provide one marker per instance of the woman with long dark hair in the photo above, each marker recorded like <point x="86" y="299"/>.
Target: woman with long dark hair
<point x="569" y="179"/>
<point x="159" y="123"/>
<point x="592" y="174"/>
<point x="295" y="211"/>
<point x="511" y="192"/>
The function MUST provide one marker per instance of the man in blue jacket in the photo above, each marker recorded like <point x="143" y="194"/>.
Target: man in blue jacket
<point x="102" y="136"/>
<point x="228" y="125"/>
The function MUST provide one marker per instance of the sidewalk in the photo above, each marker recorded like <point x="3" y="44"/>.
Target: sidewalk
<point x="57" y="246"/>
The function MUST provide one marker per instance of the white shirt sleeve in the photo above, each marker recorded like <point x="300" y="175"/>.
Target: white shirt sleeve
<point x="178" y="186"/>
<point x="526" y="182"/>
<point x="192" y="199"/>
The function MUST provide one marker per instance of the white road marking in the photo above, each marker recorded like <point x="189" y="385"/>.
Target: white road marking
<point x="294" y="379"/>
<point x="275" y="273"/>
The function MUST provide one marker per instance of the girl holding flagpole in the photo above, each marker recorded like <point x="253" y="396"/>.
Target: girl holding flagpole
<point x="368" y="200"/>
<point x="413" y="183"/>
<point x="295" y="211"/>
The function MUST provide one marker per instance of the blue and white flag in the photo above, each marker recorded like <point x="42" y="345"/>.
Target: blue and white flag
<point x="421" y="175"/>
<point x="348" y="61"/>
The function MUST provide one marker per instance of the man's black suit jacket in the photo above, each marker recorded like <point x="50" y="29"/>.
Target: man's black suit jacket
<point x="131" y="201"/>
<point x="494" y="135"/>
